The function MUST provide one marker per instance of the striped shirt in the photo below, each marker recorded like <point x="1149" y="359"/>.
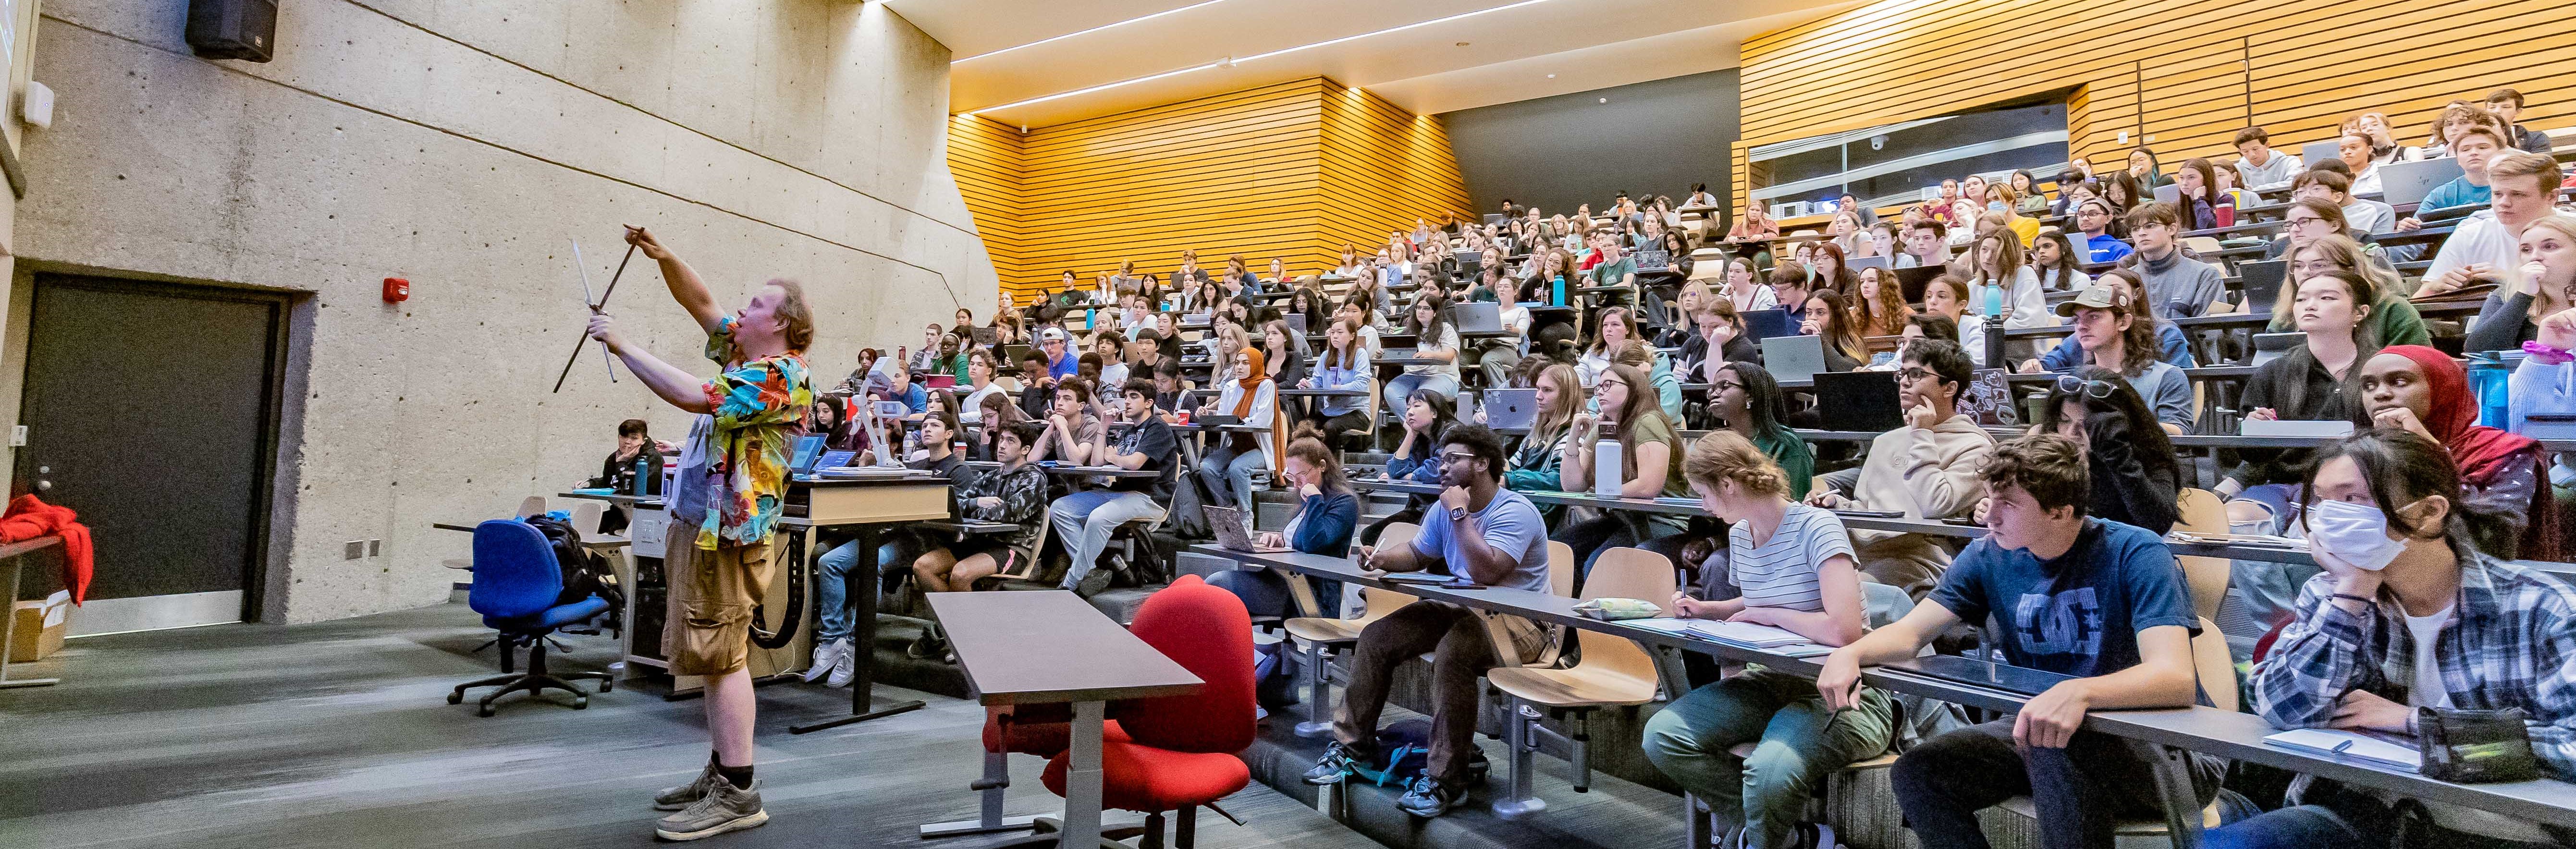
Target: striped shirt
<point x="1782" y="573"/>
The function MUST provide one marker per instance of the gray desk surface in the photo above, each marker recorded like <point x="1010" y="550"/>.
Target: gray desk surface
<point x="1052" y="646"/>
<point x="2206" y="730"/>
<point x="1101" y="471"/>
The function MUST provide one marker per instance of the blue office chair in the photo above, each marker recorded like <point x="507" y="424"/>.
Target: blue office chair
<point x="515" y="584"/>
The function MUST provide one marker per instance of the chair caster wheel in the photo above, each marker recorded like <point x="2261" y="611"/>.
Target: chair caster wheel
<point x="456" y="698"/>
<point x="485" y="710"/>
<point x="606" y="685"/>
<point x="583" y="704"/>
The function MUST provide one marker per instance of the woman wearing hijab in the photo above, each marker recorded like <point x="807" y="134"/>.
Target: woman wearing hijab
<point x="1251" y="398"/>
<point x="2419" y="389"/>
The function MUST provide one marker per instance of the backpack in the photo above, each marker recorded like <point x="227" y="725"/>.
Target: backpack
<point x="1404" y="753"/>
<point x="582" y="569"/>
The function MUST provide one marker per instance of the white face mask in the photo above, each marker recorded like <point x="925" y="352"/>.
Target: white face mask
<point x="2354" y="533"/>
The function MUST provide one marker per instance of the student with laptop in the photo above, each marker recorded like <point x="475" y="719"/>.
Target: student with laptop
<point x="2522" y="187"/>
<point x="1927" y="244"/>
<point x="2401" y="578"/>
<point x="1830" y="321"/>
<point x="1327" y="511"/>
<point x="2472" y="146"/>
<point x="2076" y="596"/>
<point x="1499" y="356"/>
<point x="1435" y="340"/>
<point x="2259" y="165"/>
<point x="2093" y="219"/>
<point x="1249" y="398"/>
<point x="1535" y="465"/>
<point x="1344" y="366"/>
<point x="2177" y="285"/>
<point x="1720" y="340"/>
<point x="1793" y="564"/>
<point x="1477" y="531"/>
<point x="1924" y="470"/>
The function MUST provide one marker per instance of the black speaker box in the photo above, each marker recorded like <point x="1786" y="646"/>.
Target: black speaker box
<point x="233" y="29"/>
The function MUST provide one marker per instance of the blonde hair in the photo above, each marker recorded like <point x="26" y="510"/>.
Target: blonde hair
<point x="798" y="315"/>
<point x="1724" y="455"/>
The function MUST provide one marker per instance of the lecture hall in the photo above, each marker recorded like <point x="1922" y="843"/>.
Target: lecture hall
<point x="1332" y="424"/>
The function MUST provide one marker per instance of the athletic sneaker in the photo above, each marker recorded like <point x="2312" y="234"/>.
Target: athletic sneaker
<point x="675" y="798"/>
<point x="827" y="657"/>
<point x="844" y="667"/>
<point x="1431" y="797"/>
<point x="1095" y="581"/>
<point x="724" y="808"/>
<point x="1335" y="765"/>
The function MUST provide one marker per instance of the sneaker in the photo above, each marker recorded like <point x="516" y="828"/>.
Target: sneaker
<point x="1430" y="797"/>
<point x="1094" y="582"/>
<point x="724" y="808"/>
<point x="675" y="798"/>
<point x="828" y="655"/>
<point x="1336" y="764"/>
<point x="844" y="667"/>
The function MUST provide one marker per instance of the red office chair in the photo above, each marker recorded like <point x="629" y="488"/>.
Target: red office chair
<point x="1044" y="730"/>
<point x="1181" y="750"/>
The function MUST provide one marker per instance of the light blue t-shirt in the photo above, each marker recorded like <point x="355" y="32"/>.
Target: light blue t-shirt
<point x="2458" y="192"/>
<point x="1510" y="524"/>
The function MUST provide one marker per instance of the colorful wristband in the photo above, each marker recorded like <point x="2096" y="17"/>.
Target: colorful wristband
<point x="2547" y="354"/>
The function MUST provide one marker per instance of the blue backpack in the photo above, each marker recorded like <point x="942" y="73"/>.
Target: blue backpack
<point x="1405" y="749"/>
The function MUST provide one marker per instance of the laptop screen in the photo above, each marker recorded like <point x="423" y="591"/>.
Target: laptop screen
<point x="809" y="448"/>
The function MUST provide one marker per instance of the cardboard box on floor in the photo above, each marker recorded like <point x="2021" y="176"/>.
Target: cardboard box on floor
<point x="38" y="627"/>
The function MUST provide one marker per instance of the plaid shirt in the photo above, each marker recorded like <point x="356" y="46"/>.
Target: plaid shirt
<point x="2510" y="642"/>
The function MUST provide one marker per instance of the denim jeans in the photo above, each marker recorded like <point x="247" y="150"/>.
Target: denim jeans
<point x="1228" y="475"/>
<point x="1084" y="520"/>
<point x="2081" y="792"/>
<point x="1403" y="385"/>
<point x="1265" y="593"/>
<point x="2295" y="827"/>
<point x="832" y="588"/>
<point x="1800" y="742"/>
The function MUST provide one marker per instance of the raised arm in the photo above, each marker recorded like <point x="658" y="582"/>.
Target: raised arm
<point x="680" y="388"/>
<point x="684" y="283"/>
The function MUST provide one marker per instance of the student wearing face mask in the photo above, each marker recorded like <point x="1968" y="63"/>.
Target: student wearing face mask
<point x="2402" y="579"/>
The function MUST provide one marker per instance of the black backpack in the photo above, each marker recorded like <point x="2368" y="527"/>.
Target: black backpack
<point x="583" y="570"/>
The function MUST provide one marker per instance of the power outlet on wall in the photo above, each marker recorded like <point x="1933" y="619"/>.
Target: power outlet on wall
<point x="375" y="547"/>
<point x="353" y="549"/>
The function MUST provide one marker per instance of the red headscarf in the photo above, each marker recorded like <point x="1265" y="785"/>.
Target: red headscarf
<point x="2483" y="453"/>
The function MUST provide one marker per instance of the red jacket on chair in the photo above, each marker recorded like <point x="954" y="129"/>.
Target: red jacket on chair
<point x="29" y="518"/>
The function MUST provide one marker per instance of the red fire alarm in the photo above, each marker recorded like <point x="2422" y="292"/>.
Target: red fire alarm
<point x="397" y="290"/>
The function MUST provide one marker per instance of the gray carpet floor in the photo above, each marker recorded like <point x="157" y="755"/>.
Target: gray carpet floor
<point x="339" y="734"/>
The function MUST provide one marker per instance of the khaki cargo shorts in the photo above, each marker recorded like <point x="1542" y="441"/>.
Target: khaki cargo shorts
<point x="708" y="628"/>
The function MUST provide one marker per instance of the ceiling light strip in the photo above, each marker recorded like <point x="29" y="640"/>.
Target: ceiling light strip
<point x="1089" y="31"/>
<point x="1236" y="61"/>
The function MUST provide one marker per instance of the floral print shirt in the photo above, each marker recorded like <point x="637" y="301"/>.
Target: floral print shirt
<point x="758" y="409"/>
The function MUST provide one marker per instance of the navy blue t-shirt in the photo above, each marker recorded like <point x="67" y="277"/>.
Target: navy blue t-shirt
<point x="2079" y="614"/>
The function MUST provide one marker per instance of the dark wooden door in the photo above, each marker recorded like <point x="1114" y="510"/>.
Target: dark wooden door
<point x="152" y="409"/>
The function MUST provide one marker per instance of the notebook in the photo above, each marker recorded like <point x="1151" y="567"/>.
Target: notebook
<point x="2402" y="183"/>
<point x="1793" y="358"/>
<point x="2373" y="748"/>
<point x="1859" y="400"/>
<point x="1744" y="634"/>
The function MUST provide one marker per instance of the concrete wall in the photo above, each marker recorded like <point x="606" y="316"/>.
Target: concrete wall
<point x="1651" y="138"/>
<point x="460" y="144"/>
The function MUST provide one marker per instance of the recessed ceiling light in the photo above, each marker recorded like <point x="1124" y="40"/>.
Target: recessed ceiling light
<point x="1605" y="100"/>
<point x="1551" y="76"/>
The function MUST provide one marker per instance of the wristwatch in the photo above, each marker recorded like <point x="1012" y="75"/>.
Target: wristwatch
<point x="1457" y="514"/>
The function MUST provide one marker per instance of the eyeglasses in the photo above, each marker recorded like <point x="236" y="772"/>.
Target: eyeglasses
<point x="2094" y="389"/>
<point x="2302" y="222"/>
<point x="1447" y="457"/>
<point x="1910" y="374"/>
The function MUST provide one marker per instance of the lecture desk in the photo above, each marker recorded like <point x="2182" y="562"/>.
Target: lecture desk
<point x="2200" y="729"/>
<point x="866" y="506"/>
<point x="1049" y="647"/>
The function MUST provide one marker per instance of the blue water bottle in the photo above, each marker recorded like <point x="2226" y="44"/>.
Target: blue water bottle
<point x="640" y="471"/>
<point x="1558" y="296"/>
<point x="2488" y="377"/>
<point x="1994" y="300"/>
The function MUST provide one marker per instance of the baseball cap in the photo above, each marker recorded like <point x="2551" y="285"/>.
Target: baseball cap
<point x="2100" y="296"/>
<point x="1052" y="334"/>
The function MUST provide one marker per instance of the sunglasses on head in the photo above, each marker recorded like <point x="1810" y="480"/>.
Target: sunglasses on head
<point x="2094" y="389"/>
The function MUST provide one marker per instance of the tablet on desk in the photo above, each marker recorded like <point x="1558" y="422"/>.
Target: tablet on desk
<point x="1978" y="673"/>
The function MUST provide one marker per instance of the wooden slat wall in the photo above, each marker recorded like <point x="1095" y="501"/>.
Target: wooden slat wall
<point x="2183" y="74"/>
<point x="1292" y="170"/>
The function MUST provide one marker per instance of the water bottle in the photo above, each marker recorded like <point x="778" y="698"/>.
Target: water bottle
<point x="1607" y="461"/>
<point x="1994" y="300"/>
<point x="2488" y="376"/>
<point x="1557" y="297"/>
<point x="641" y="469"/>
<point x="911" y="442"/>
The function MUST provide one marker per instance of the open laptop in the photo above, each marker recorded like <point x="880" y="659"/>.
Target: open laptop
<point x="2402" y="183"/>
<point x="809" y="450"/>
<point x="1870" y="262"/>
<point x="1231" y="531"/>
<point x="1916" y="279"/>
<point x="2263" y="280"/>
<point x="2320" y="151"/>
<point x="1511" y="409"/>
<point x="1476" y="317"/>
<point x="986" y="336"/>
<point x="1493" y="218"/>
<point x="1765" y="324"/>
<point x="1296" y="323"/>
<point x="1978" y="673"/>
<point x="1859" y="400"/>
<point x="2168" y="193"/>
<point x="1793" y="358"/>
<point x="2271" y="346"/>
<point x="1653" y="260"/>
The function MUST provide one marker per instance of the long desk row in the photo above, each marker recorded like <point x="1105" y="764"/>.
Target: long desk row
<point x="2227" y="734"/>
